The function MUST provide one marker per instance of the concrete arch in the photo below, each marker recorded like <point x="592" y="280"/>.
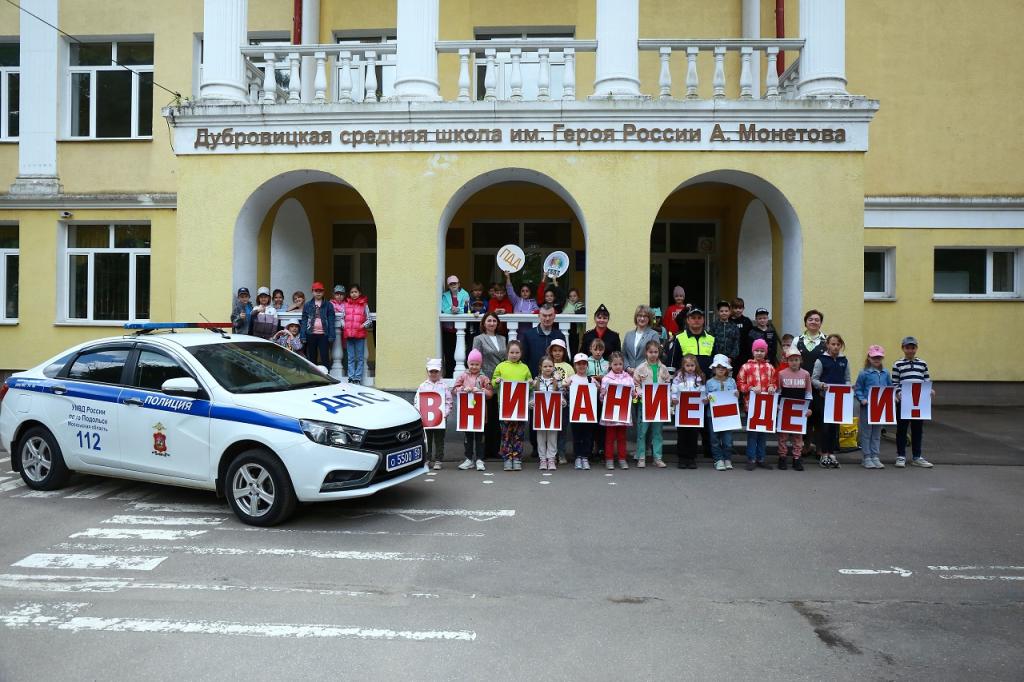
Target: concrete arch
<point x="789" y="224"/>
<point x="754" y="257"/>
<point x="291" y="243"/>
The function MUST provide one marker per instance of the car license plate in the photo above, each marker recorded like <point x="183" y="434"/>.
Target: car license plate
<point x="397" y="460"/>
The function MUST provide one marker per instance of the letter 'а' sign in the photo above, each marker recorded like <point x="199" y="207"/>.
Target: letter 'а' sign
<point x="510" y="258"/>
<point x="616" y="404"/>
<point x="469" y="408"/>
<point x="656" y="403"/>
<point x="431" y="406"/>
<point x="547" y="411"/>
<point x="916" y="400"/>
<point x="512" y="405"/>
<point x="690" y="411"/>
<point x="761" y="414"/>
<point x="792" y="416"/>
<point x="881" y="405"/>
<point x="583" y="403"/>
<point x="838" y="404"/>
<point x="725" y="411"/>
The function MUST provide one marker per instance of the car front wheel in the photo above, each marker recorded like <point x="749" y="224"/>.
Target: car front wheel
<point x="41" y="462"/>
<point x="259" y="489"/>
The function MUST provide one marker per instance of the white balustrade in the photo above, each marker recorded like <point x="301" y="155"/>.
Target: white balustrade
<point x="544" y="77"/>
<point x="269" y="78"/>
<point x="516" y="81"/>
<point x="464" y="81"/>
<point x="718" y="83"/>
<point x="490" y="75"/>
<point x="294" y="78"/>
<point x="569" y="76"/>
<point x="665" y="76"/>
<point x="370" y="78"/>
<point x="746" y="77"/>
<point x="342" y="58"/>
<point x="337" y="368"/>
<point x="320" y="79"/>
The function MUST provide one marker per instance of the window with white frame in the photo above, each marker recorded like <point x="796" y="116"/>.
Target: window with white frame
<point x="977" y="272"/>
<point x="105" y="99"/>
<point x="537" y="238"/>
<point x="107" y="272"/>
<point x="9" y="273"/>
<point x="355" y="258"/>
<point x="385" y="68"/>
<point x="10" y="90"/>
<point x="879" y="273"/>
<point x="529" y="64"/>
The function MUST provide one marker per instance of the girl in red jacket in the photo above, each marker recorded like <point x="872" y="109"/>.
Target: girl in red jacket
<point x="357" y="321"/>
<point x="757" y="376"/>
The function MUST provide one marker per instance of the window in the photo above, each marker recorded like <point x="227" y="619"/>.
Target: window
<point x="536" y="238"/>
<point x="9" y="273"/>
<point x="529" y="64"/>
<point x="355" y="258"/>
<point x="258" y="367"/>
<point x="684" y="253"/>
<point x="10" y="79"/>
<point x="153" y="369"/>
<point x="385" y="69"/>
<point x="879" y="273"/>
<point x="977" y="273"/>
<point x="107" y="272"/>
<point x="102" y="366"/>
<point x="106" y="100"/>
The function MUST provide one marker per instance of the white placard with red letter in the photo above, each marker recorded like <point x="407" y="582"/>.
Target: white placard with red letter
<point x="469" y="412"/>
<point x="690" y="410"/>
<point x="916" y="400"/>
<point x="615" y="407"/>
<point x="761" y="412"/>
<point x="725" y="411"/>
<point x="512" y="403"/>
<point x="881" y="405"/>
<point x="838" y="404"/>
<point x="656" y="404"/>
<point x="431" y="407"/>
<point x="547" y="411"/>
<point x="583" y="403"/>
<point x="792" y="416"/>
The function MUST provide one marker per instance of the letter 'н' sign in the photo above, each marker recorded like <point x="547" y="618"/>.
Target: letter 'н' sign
<point x="725" y="411"/>
<point x="881" y="405"/>
<point x="583" y="403"/>
<point x="431" y="407"/>
<point x="510" y="258"/>
<point x="690" y="411"/>
<point x="761" y="412"/>
<point x="547" y="411"/>
<point x="838" y="404"/>
<point x="469" y="411"/>
<point x="916" y="400"/>
<point x="656" y="403"/>
<point x="615" y="407"/>
<point x="512" y="405"/>
<point x="792" y="416"/>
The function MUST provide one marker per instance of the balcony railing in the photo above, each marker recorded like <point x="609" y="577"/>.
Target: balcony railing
<point x="337" y="368"/>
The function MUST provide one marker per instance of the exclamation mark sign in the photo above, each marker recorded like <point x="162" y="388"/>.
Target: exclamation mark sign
<point x="915" y="400"/>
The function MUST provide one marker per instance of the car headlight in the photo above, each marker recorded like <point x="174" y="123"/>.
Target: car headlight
<point x="334" y="435"/>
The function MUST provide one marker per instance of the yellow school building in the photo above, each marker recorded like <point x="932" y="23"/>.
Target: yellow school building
<point x="858" y="158"/>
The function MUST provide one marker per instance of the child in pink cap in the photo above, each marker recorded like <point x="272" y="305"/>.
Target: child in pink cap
<point x="472" y="381"/>
<point x="757" y="376"/>
<point x="870" y="437"/>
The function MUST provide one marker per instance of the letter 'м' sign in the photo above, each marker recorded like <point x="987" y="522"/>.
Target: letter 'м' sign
<point x="510" y="258"/>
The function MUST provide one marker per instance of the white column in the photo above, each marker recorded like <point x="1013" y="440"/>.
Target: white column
<point x="752" y="31"/>
<point x="224" y="34"/>
<point x="310" y="36"/>
<point x="618" y="67"/>
<point x="416" y="72"/>
<point x="40" y="83"/>
<point x="823" y="59"/>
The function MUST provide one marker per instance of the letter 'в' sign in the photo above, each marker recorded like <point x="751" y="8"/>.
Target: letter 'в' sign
<point x="469" y="412"/>
<point x="431" y="406"/>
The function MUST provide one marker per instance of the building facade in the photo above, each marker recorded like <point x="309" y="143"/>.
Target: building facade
<point x="859" y="165"/>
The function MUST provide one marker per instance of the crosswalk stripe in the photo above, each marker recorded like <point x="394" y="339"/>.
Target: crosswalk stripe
<point x="164" y="507"/>
<point x="127" y="563"/>
<point x="264" y="551"/>
<point x="96" y="491"/>
<point x="11" y="485"/>
<point x="131" y="494"/>
<point x="137" y="534"/>
<point x="131" y="520"/>
<point x="47" y="494"/>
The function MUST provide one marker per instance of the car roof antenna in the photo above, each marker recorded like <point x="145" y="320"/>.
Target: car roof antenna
<point x="222" y="333"/>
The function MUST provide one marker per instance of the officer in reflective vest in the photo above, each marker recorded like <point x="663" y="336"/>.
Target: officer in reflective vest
<point x="692" y="340"/>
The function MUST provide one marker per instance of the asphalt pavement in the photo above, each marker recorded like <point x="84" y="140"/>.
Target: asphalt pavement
<point x="565" y="575"/>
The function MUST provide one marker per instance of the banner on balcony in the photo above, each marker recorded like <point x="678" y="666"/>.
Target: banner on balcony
<point x="792" y="416"/>
<point x="512" y="401"/>
<point x="916" y="400"/>
<point x="838" y="404"/>
<point x="881" y="405"/>
<point x="470" y="412"/>
<point x="762" y="409"/>
<point x="725" y="411"/>
<point x="690" y="409"/>
<point x="617" y="401"/>
<point x="431" y="407"/>
<point x="583" y="403"/>
<point x="655" y="403"/>
<point x="510" y="258"/>
<point x="547" y="411"/>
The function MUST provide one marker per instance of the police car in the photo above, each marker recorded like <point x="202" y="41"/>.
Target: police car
<point x="234" y="414"/>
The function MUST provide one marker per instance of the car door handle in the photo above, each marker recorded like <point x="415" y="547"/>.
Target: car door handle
<point x="59" y="390"/>
<point x="132" y="401"/>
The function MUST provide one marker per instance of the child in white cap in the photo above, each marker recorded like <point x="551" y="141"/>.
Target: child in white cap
<point x="435" y="436"/>
<point x="721" y="441"/>
<point x="582" y="434"/>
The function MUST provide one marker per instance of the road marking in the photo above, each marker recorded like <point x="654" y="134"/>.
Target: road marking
<point x="179" y="508"/>
<point x="135" y="493"/>
<point x="487" y="482"/>
<point x="982" y="577"/>
<point x="96" y="491"/>
<point x="40" y="494"/>
<point x="127" y="563"/>
<point x="976" y="568"/>
<point x="892" y="570"/>
<point x="494" y="513"/>
<point x="136" y="534"/>
<point x="545" y="482"/>
<point x="266" y="551"/>
<point x="11" y="485"/>
<point x="300" y="531"/>
<point x="134" y="520"/>
<point x="62" y="616"/>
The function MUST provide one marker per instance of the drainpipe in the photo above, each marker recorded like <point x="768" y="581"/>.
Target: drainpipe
<point x="780" y="32"/>
<point x="297" y="22"/>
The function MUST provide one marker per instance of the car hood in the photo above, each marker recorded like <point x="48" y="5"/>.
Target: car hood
<point x="345" y="404"/>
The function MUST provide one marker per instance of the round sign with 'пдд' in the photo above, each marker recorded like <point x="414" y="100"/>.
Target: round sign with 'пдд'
<point x="510" y="258"/>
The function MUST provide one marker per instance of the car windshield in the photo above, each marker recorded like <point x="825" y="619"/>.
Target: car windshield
<point x="255" y="367"/>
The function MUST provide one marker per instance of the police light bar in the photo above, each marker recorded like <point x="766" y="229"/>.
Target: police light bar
<point x="177" y="325"/>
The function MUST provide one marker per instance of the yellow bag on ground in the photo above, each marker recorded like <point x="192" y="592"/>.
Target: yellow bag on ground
<point x="848" y="436"/>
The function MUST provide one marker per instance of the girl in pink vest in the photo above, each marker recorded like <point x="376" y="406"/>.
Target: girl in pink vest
<point x="357" y="321"/>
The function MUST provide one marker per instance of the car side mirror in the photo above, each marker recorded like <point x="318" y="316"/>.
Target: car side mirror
<point x="185" y="387"/>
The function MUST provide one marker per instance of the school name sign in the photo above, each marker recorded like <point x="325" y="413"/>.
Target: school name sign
<point x="661" y="135"/>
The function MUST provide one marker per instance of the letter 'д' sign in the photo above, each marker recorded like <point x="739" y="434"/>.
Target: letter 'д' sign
<point x="511" y="258"/>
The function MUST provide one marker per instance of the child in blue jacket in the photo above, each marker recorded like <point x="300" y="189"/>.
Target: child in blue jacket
<point x="870" y="437"/>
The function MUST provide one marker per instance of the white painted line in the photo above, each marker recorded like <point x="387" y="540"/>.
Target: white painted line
<point x="40" y="494"/>
<point x="545" y="482"/>
<point x="265" y="551"/>
<point x="545" y="474"/>
<point x="487" y="482"/>
<point x="137" y="534"/>
<point x="97" y="491"/>
<point x="441" y="512"/>
<point x="62" y="616"/>
<point x="611" y="483"/>
<point x="299" y="531"/>
<point x="127" y="563"/>
<point x="892" y="570"/>
<point x="488" y="474"/>
<point x="4" y="478"/>
<point x="134" y="520"/>
<point x="976" y="568"/>
<point x="179" y="508"/>
<point x="136" y="493"/>
<point x="428" y="480"/>
<point x="12" y="485"/>
<point x="982" y="577"/>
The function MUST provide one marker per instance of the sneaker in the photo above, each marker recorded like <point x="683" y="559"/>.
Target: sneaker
<point x="466" y="465"/>
<point x="551" y="463"/>
<point x="561" y="460"/>
<point x="901" y="462"/>
<point x="782" y="463"/>
<point x="543" y="464"/>
<point x="609" y="464"/>
<point x="867" y="463"/>
<point x="834" y="461"/>
<point x="480" y="465"/>
<point x="728" y="464"/>
<point x="578" y="464"/>
<point x="586" y="464"/>
<point x="658" y="463"/>
<point x="750" y="466"/>
<point x="720" y="465"/>
<point x="824" y="462"/>
<point x="623" y="464"/>
<point x="921" y="462"/>
<point x="877" y="462"/>
<point x="507" y="466"/>
<point x="798" y="464"/>
<point x="517" y="464"/>
<point x="760" y="464"/>
<point x="437" y="466"/>
<point x="641" y="463"/>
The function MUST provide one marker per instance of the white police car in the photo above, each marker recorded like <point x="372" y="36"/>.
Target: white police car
<point x="235" y="414"/>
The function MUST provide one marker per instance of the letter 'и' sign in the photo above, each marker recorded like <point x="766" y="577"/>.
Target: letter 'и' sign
<point x="512" y="405"/>
<point x="838" y="404"/>
<point x="469" y="412"/>
<point x="881" y="405"/>
<point x="431" y="407"/>
<point x="583" y="403"/>
<point x="690" y="411"/>
<point x="725" y="411"/>
<point x="656" y="404"/>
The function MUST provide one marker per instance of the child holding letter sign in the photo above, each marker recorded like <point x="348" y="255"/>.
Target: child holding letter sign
<point x="582" y="432"/>
<point x="873" y="374"/>
<point x="689" y="379"/>
<point x="757" y="375"/>
<point x="512" y="432"/>
<point x="547" y="383"/>
<point x="477" y="389"/>
<point x="434" y="401"/>
<point x="721" y="441"/>
<point x="654" y="373"/>
<point x="910" y="368"/>
<point x="830" y="368"/>
<point x="795" y="384"/>
<point x="615" y="410"/>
